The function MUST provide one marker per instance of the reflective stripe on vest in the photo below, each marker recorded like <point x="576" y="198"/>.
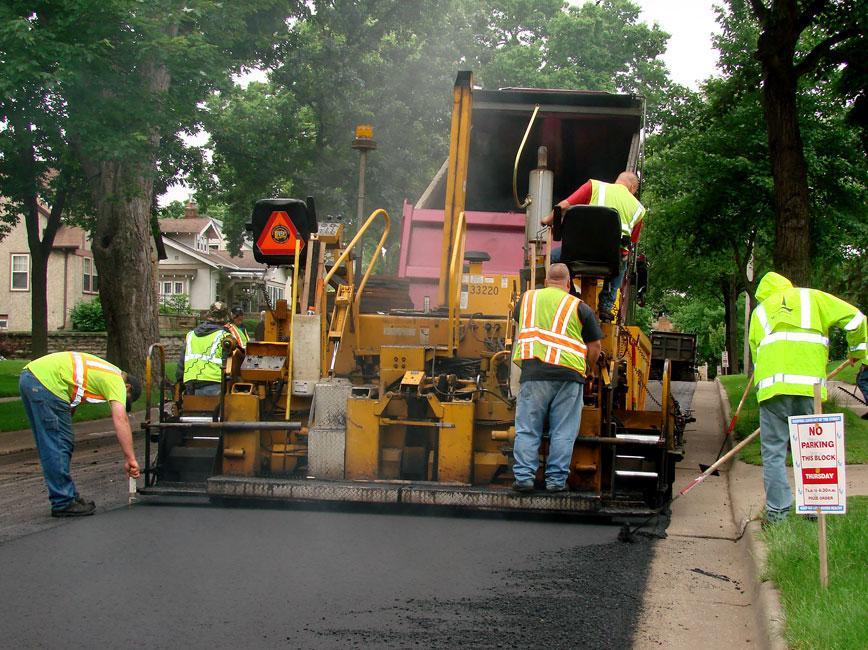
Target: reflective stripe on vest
<point x="80" y="367"/>
<point x="802" y="380"/>
<point x="855" y="322"/>
<point x="211" y="356"/>
<point x="555" y="340"/>
<point x="619" y="201"/>
<point x="800" y="337"/>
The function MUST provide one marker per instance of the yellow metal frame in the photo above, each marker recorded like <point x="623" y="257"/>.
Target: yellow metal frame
<point x="456" y="268"/>
<point x="456" y="177"/>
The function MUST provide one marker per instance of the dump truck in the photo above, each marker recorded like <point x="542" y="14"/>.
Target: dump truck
<point x="415" y="406"/>
<point x="678" y="349"/>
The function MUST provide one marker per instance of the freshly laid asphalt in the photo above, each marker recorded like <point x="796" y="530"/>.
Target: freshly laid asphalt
<point x="168" y="577"/>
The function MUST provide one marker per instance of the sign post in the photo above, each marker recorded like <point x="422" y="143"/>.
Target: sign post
<point x="819" y="467"/>
<point x="724" y="361"/>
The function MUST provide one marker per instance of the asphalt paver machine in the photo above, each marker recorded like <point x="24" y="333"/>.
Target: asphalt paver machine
<point x="342" y="402"/>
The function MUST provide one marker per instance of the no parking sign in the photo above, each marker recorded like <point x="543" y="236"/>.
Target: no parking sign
<point x="819" y="464"/>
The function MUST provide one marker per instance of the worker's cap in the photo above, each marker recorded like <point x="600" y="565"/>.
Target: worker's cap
<point x="135" y="390"/>
<point x="218" y="313"/>
<point x="237" y="311"/>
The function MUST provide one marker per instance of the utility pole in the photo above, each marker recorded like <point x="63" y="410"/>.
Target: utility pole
<point x="363" y="142"/>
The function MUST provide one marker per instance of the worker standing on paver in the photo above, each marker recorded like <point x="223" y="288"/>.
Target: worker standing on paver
<point x="200" y="366"/>
<point x="557" y="344"/>
<point x="620" y="196"/>
<point x="236" y="328"/>
<point x="789" y="342"/>
<point x="51" y="387"/>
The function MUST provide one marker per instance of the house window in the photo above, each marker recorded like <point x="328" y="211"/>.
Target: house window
<point x="274" y="294"/>
<point x="4" y="321"/>
<point x="201" y="243"/>
<point x="173" y="287"/>
<point x="20" y="280"/>
<point x="90" y="278"/>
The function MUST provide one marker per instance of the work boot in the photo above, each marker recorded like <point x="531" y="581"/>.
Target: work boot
<point x="557" y="488"/>
<point x="606" y="316"/>
<point x="75" y="509"/>
<point x="85" y="502"/>
<point x="523" y="487"/>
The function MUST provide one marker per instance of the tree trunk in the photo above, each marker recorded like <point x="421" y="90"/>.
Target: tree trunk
<point x="776" y="51"/>
<point x="728" y="287"/>
<point x="122" y="194"/>
<point x="38" y="303"/>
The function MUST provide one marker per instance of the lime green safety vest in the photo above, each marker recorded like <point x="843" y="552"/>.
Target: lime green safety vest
<point x="203" y="356"/>
<point x="239" y="335"/>
<point x="550" y="330"/>
<point x="789" y="336"/>
<point x="617" y="196"/>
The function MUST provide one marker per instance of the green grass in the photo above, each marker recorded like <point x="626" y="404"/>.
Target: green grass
<point x="848" y="374"/>
<point x="9" y="371"/>
<point x="856" y="429"/>
<point x="831" y="618"/>
<point x="13" y="418"/>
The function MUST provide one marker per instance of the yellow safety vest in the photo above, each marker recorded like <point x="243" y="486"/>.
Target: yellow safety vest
<point x="617" y="196"/>
<point x="789" y="336"/>
<point x="239" y="335"/>
<point x="203" y="356"/>
<point x="550" y="330"/>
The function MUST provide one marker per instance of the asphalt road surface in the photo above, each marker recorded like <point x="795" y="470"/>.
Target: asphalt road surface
<point x="167" y="575"/>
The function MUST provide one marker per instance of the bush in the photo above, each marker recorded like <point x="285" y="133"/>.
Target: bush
<point x="88" y="316"/>
<point x="7" y="348"/>
<point x="177" y="303"/>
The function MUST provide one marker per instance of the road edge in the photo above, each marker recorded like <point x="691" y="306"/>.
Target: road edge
<point x="767" y="599"/>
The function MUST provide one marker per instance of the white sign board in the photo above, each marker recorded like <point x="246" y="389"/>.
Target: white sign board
<point x="819" y="465"/>
<point x="724" y="359"/>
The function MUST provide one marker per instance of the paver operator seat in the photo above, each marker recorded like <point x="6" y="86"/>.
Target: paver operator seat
<point x="590" y="237"/>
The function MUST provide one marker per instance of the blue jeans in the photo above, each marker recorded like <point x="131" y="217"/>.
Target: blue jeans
<point x="862" y="381"/>
<point x="774" y="436"/>
<point x="562" y="402"/>
<point x="610" y="285"/>
<point x="51" y="421"/>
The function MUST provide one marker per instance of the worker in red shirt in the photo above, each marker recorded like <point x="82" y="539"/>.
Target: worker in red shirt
<point x="620" y="196"/>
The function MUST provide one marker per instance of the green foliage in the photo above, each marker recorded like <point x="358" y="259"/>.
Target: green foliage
<point x="87" y="316"/>
<point x="176" y="304"/>
<point x="793" y="565"/>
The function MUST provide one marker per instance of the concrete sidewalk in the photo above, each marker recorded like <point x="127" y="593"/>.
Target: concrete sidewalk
<point x="13" y="442"/>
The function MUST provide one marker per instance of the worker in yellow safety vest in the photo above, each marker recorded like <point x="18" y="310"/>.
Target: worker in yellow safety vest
<point x="789" y="342"/>
<point x="200" y="366"/>
<point x="557" y="345"/>
<point x="236" y="328"/>
<point x="51" y="387"/>
<point x="620" y="196"/>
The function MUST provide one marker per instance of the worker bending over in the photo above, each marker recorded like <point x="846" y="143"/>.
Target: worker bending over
<point x="557" y="344"/>
<point x="789" y="342"/>
<point x="200" y="366"/>
<point x="51" y="387"/>
<point x="619" y="195"/>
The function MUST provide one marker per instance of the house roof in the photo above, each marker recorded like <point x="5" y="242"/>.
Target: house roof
<point x="69" y="237"/>
<point x="195" y="226"/>
<point x="219" y="259"/>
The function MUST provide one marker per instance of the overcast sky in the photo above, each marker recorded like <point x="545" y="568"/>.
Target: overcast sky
<point x="690" y="23"/>
<point x="689" y="54"/>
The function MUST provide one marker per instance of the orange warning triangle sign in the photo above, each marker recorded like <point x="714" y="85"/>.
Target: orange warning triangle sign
<point x="280" y="236"/>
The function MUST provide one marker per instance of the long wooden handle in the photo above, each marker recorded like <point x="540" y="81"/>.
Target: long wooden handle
<point x="720" y="461"/>
<point x="732" y="422"/>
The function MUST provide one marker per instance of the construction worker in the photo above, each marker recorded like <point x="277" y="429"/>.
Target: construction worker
<point x="236" y="328"/>
<point x="557" y="344"/>
<point x="51" y="387"/>
<point x="201" y="364"/>
<point x="789" y="342"/>
<point x="619" y="195"/>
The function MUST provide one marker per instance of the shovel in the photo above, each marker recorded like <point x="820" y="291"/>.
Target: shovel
<point x="731" y="427"/>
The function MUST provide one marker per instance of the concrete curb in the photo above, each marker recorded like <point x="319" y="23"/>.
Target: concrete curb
<point x="766" y="597"/>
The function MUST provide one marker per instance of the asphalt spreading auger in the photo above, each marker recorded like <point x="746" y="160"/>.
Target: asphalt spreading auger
<point x="347" y="400"/>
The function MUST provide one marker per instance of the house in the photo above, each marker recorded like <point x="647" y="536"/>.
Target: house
<point x="72" y="276"/>
<point x="199" y="269"/>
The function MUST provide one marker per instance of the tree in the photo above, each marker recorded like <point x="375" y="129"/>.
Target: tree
<point x="800" y="39"/>
<point x="39" y="178"/>
<point x="129" y="76"/>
